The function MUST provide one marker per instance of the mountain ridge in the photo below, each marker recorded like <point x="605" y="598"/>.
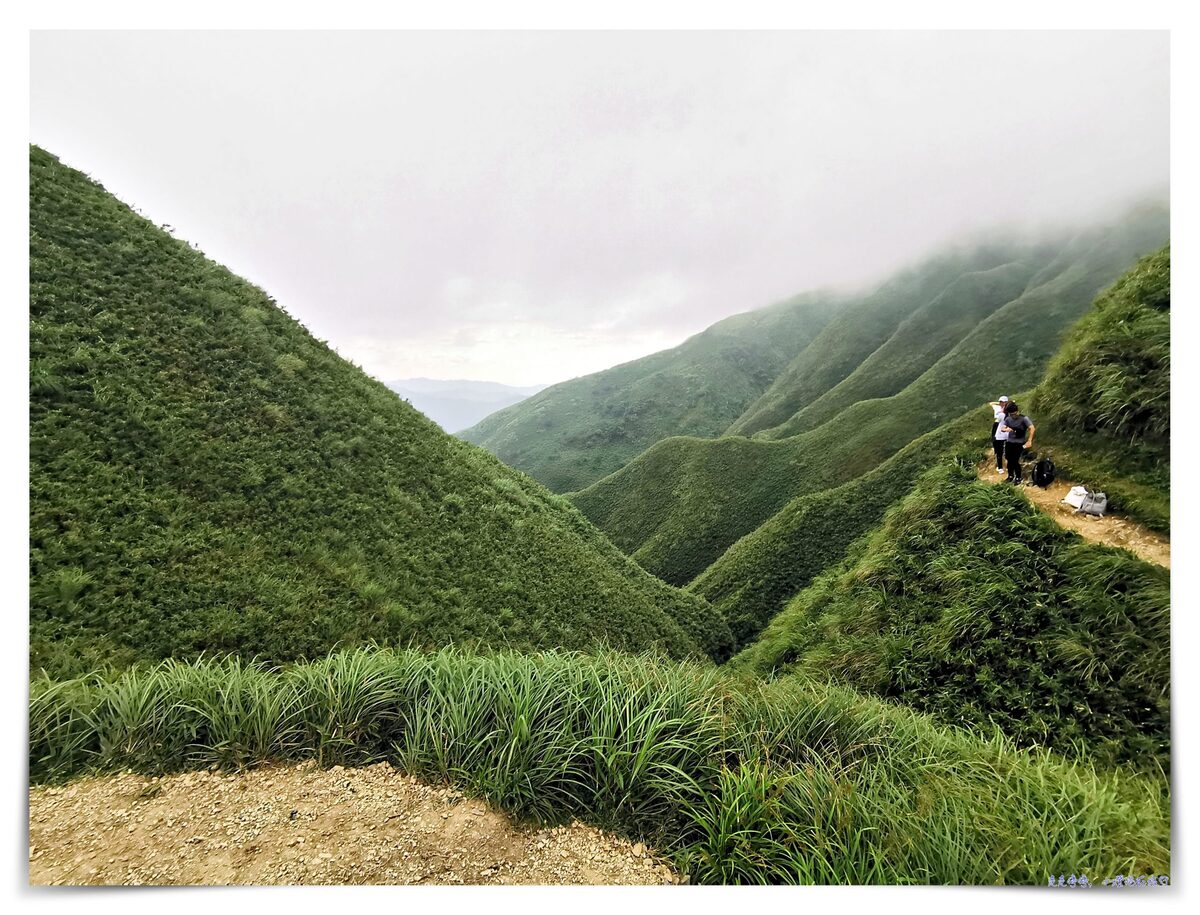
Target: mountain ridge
<point x="206" y="477"/>
<point x="578" y="431"/>
<point x="684" y="501"/>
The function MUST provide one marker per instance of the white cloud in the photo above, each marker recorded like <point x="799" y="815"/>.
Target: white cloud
<point x="517" y="352"/>
<point x="613" y="192"/>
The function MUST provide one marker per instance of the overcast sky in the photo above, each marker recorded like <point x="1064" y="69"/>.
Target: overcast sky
<point x="527" y="207"/>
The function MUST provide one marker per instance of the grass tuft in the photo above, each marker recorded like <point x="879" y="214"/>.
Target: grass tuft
<point x="741" y="781"/>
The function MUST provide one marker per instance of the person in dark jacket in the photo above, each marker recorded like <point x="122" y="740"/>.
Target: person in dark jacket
<point x="1019" y="430"/>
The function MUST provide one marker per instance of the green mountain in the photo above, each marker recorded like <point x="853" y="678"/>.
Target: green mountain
<point x="919" y="342"/>
<point x="1124" y="340"/>
<point x="576" y="432"/>
<point x="1106" y="402"/>
<point x="755" y="578"/>
<point x="923" y="651"/>
<point x="970" y="604"/>
<point x="207" y="477"/>
<point x="682" y="503"/>
<point x="883" y="340"/>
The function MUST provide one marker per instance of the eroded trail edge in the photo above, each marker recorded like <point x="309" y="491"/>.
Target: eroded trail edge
<point x="302" y="824"/>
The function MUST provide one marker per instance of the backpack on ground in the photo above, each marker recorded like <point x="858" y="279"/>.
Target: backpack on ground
<point x="1043" y="472"/>
<point x="1095" y="503"/>
<point x="1075" y="497"/>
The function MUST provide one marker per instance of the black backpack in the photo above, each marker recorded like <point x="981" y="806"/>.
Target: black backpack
<point x="1043" y="472"/>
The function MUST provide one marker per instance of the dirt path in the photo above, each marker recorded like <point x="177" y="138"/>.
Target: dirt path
<point x="1111" y="530"/>
<point x="301" y="824"/>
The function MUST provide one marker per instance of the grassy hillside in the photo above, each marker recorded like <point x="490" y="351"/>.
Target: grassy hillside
<point x="741" y="782"/>
<point x="1104" y="409"/>
<point x="756" y="577"/>
<point x="919" y="342"/>
<point x="951" y="287"/>
<point x="970" y="604"/>
<point x="207" y="477"/>
<point x="680" y="505"/>
<point x="574" y="433"/>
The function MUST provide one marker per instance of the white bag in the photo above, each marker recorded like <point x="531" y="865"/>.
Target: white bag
<point x="1076" y="496"/>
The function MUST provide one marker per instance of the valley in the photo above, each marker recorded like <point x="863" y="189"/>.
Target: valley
<point x="751" y="603"/>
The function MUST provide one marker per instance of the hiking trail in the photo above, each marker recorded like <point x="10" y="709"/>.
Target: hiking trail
<point x="1111" y="530"/>
<point x="303" y="824"/>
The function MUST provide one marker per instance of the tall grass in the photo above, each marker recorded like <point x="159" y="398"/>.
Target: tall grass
<point x="741" y="781"/>
<point x="1106" y="399"/>
<point x="972" y="606"/>
<point x="206" y="477"/>
<point x="1113" y="374"/>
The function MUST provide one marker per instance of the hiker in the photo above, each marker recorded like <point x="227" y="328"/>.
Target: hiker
<point x="998" y="438"/>
<point x="1020" y="430"/>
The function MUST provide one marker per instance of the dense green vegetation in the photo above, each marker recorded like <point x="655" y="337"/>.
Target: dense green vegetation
<point x="574" y="433"/>
<point x="682" y="503"/>
<point x="970" y="604"/>
<point x="923" y="338"/>
<point x="1106" y="400"/>
<point x="742" y="782"/>
<point x="931" y="670"/>
<point x="207" y="477"/>
<point x="756" y="577"/>
<point x="900" y="328"/>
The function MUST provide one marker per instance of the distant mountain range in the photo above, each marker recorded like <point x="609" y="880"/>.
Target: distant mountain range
<point x="455" y="404"/>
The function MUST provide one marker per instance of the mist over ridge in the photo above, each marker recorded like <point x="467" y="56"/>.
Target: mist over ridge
<point x="531" y="207"/>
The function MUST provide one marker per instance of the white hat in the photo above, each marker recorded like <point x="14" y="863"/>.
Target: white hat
<point x="1003" y="398"/>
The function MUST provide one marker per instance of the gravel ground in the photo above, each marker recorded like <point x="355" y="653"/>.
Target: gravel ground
<point x="304" y="825"/>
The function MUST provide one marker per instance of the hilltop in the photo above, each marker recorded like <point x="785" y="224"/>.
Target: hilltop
<point x="206" y="477"/>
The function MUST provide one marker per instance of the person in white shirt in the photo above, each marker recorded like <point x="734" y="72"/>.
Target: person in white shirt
<point x="998" y="437"/>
